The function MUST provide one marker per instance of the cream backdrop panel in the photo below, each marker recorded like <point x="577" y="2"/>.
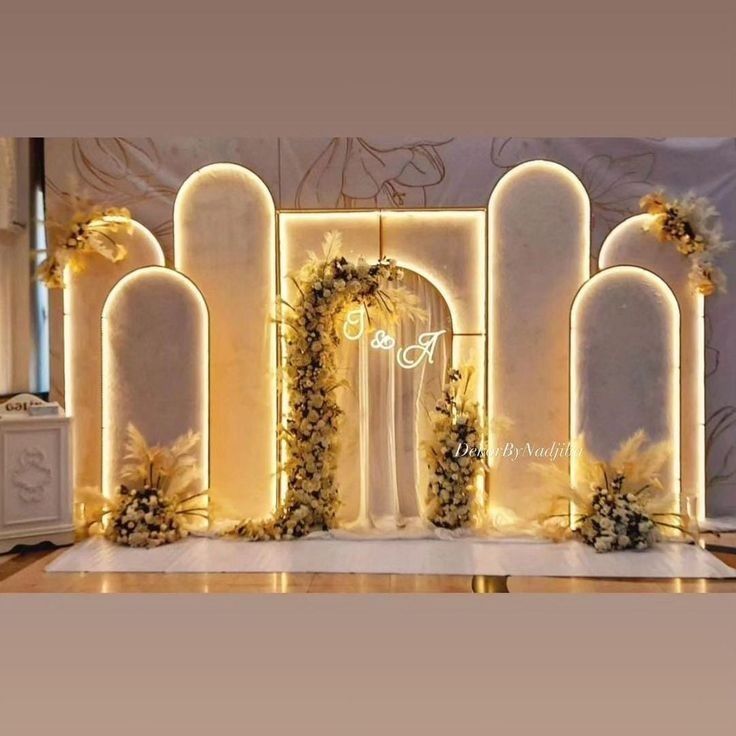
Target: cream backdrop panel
<point x="225" y="241"/>
<point x="449" y="249"/>
<point x="84" y="298"/>
<point x="624" y="372"/>
<point x="538" y="235"/>
<point x="155" y="360"/>
<point x="402" y="172"/>
<point x="630" y="243"/>
<point x="303" y="232"/>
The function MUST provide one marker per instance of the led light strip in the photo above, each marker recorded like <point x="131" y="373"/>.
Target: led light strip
<point x="138" y="242"/>
<point x="496" y="202"/>
<point x="190" y="257"/>
<point x="692" y="384"/>
<point x="599" y="281"/>
<point x="436" y="278"/>
<point x="109" y="482"/>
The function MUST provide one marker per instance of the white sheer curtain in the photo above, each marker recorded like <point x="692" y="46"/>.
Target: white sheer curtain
<point x="382" y="474"/>
<point x="14" y="276"/>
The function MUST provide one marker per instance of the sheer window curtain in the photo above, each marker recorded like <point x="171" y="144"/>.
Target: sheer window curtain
<point x="14" y="272"/>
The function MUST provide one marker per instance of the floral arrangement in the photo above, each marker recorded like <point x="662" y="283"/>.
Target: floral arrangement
<point x="617" y="520"/>
<point x="613" y="506"/>
<point x="327" y="288"/>
<point x="159" y="497"/>
<point x="456" y="423"/>
<point x="692" y="224"/>
<point x="91" y="230"/>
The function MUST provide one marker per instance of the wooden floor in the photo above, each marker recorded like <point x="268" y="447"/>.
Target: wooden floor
<point x="24" y="573"/>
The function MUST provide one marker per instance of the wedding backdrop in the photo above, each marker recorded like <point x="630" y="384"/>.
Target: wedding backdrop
<point x="345" y="173"/>
<point x="457" y="356"/>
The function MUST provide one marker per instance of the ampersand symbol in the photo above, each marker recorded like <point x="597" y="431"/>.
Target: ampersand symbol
<point x="382" y="340"/>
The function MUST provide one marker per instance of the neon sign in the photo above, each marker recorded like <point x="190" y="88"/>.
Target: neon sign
<point x="354" y="326"/>
<point x="425" y="347"/>
<point x="410" y="356"/>
<point x="382" y="341"/>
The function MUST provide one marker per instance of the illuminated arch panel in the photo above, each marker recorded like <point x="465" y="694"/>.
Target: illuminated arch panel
<point x="630" y="244"/>
<point x="539" y="256"/>
<point x="447" y="248"/>
<point x="225" y="241"/>
<point x="624" y="365"/>
<point x="302" y="232"/>
<point x="155" y="368"/>
<point x="84" y="298"/>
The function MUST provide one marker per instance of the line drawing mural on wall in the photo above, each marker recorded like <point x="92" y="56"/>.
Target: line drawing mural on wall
<point x="351" y="172"/>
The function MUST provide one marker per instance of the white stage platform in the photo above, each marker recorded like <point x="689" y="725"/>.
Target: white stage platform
<point x="466" y="556"/>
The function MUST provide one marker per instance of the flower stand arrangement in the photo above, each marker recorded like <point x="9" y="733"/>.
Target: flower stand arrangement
<point x="160" y="498"/>
<point x="327" y="288"/>
<point x="456" y="422"/>
<point x="614" y="505"/>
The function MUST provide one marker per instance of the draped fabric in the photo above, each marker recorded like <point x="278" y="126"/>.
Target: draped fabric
<point x="14" y="280"/>
<point x="6" y="311"/>
<point x="341" y="553"/>
<point x="144" y="175"/>
<point x="8" y="185"/>
<point x="382" y="472"/>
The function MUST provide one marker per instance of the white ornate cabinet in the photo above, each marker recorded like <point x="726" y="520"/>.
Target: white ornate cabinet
<point x="35" y="474"/>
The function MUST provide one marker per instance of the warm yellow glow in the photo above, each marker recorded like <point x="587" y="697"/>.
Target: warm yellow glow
<point x="579" y="250"/>
<point x="631" y="242"/>
<point x="225" y="240"/>
<point x="699" y="382"/>
<point x="303" y="232"/>
<point x="365" y="234"/>
<point x="190" y="184"/>
<point x="383" y="341"/>
<point x="466" y="318"/>
<point x="596" y="283"/>
<point x="424" y="349"/>
<point x="354" y="326"/>
<point x="152" y="274"/>
<point x="83" y="300"/>
<point x="507" y="180"/>
<point x="68" y="294"/>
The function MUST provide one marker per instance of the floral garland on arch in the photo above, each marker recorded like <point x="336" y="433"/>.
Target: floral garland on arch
<point x="692" y="224"/>
<point x="453" y="463"/>
<point x="327" y="288"/>
<point x="92" y="230"/>
<point x="614" y="504"/>
<point x="159" y="499"/>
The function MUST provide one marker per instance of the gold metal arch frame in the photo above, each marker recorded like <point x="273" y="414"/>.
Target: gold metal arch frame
<point x="665" y="291"/>
<point x="108" y="395"/>
<point x="287" y="252"/>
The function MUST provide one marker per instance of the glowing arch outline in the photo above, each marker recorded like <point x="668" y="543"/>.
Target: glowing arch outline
<point x="675" y="350"/>
<point x="699" y="332"/>
<point x="108" y="484"/>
